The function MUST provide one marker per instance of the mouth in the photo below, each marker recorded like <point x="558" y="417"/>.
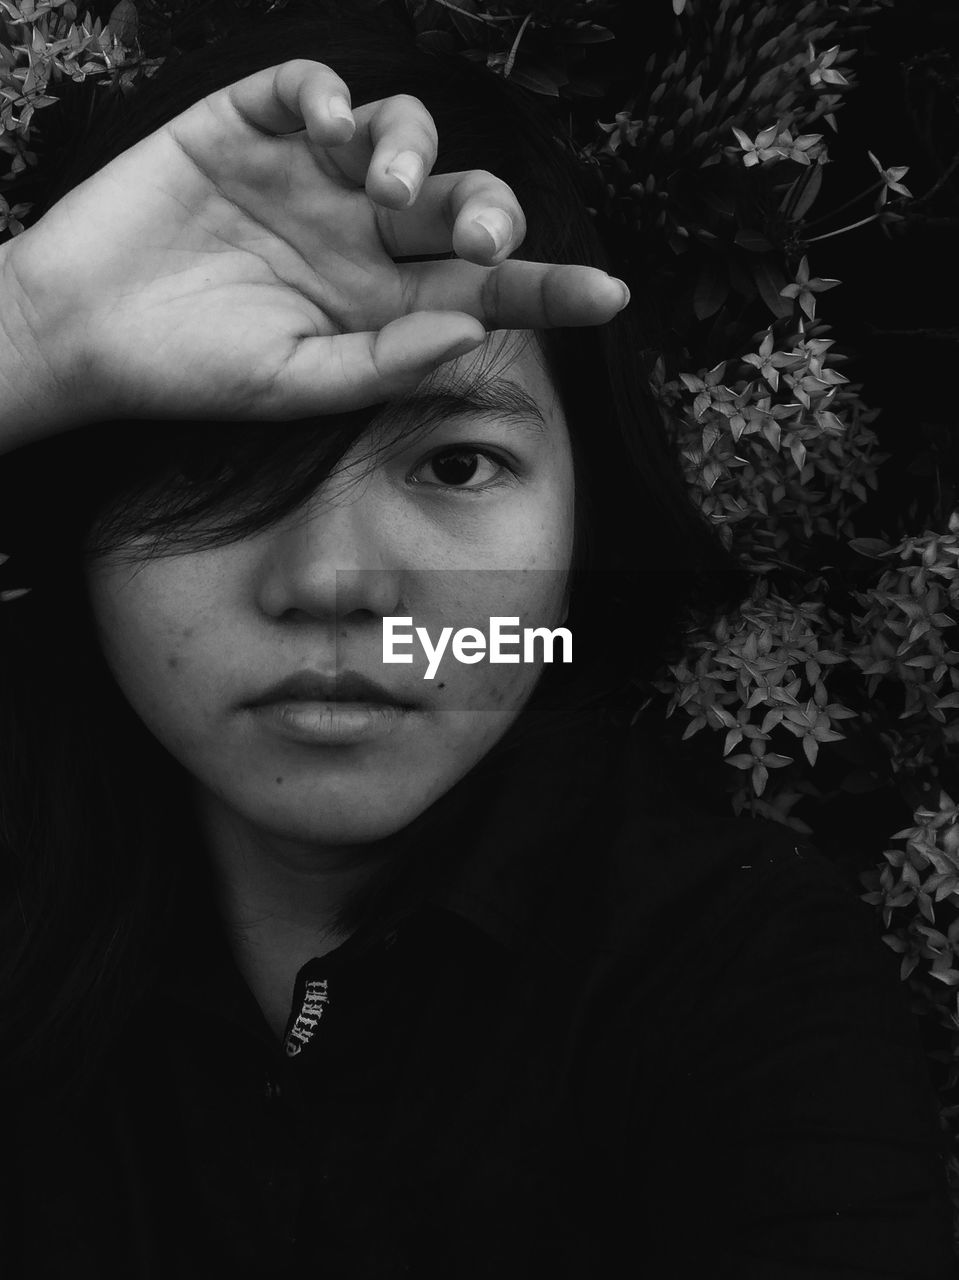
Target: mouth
<point x="338" y="710"/>
<point x="343" y="687"/>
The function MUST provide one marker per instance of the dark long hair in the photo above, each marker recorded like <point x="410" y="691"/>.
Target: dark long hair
<point x="95" y="832"/>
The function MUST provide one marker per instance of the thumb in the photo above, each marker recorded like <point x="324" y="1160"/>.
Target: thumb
<point x="353" y="370"/>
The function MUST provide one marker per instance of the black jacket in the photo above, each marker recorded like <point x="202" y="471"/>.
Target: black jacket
<point x="577" y="1040"/>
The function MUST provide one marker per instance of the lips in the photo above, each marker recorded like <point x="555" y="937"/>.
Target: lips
<point x="344" y="686"/>
<point x="318" y="711"/>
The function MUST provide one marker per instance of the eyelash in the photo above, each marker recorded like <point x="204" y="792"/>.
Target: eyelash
<point x="491" y="455"/>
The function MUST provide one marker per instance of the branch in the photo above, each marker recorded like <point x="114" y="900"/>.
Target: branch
<point x="479" y="17"/>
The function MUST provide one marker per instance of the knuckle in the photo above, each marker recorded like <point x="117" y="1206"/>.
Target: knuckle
<point x="306" y="67"/>
<point x="304" y="73"/>
<point x="408" y="299"/>
<point x="291" y="73"/>
<point x="546" y="301"/>
<point x="407" y="102"/>
<point x="415" y="114"/>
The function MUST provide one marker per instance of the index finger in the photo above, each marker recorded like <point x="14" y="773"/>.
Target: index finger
<point x="517" y="294"/>
<point x="292" y="96"/>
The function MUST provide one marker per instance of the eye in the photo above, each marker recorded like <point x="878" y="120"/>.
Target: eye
<point x="460" y="467"/>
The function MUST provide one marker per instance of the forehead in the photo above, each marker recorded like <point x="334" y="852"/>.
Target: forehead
<point x="508" y="374"/>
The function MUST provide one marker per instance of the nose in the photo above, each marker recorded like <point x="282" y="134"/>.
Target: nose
<point x="330" y="559"/>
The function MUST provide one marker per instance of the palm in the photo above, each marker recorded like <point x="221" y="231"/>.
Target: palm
<point x="283" y="220"/>
<point x="228" y="270"/>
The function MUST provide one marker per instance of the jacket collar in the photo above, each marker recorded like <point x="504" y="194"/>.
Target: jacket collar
<point x="502" y="850"/>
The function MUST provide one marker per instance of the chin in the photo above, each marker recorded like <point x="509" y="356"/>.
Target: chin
<point x="342" y="821"/>
<point x="336" y="801"/>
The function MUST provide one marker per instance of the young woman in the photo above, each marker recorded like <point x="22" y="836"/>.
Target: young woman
<point x="316" y="963"/>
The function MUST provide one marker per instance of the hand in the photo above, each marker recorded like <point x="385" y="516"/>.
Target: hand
<point x="240" y="263"/>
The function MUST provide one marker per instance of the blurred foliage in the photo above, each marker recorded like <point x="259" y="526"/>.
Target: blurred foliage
<point x="710" y="132"/>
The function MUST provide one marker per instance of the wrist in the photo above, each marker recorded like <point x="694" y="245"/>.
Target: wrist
<point x="40" y="391"/>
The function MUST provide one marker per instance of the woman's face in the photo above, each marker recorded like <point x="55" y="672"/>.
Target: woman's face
<point x="471" y="521"/>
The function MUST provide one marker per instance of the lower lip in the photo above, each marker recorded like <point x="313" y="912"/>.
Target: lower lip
<point x="331" y="723"/>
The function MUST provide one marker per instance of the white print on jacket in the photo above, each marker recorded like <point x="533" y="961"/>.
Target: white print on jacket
<point x="301" y="1033"/>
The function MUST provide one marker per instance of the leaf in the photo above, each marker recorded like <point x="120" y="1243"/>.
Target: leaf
<point x="949" y="976"/>
<point x="871" y="547"/>
<point x="753" y="241"/>
<point x="436" y="42"/>
<point x="538" y="81"/>
<point x="588" y="33"/>
<point x="906" y="967"/>
<point x="810" y="192"/>
<point x="769" y="281"/>
<point x="949" y="885"/>
<point x="724" y="718"/>
<point x="123" y="22"/>
<point x="694" y="727"/>
<point x="468" y="24"/>
<point x="721" y="202"/>
<point x="712" y="290"/>
<point x="741" y="761"/>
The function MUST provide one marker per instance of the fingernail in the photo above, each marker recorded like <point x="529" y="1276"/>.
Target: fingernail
<point x="339" y="109"/>
<point x="498" y="225"/>
<point x="626" y="294"/>
<point x="408" y="169"/>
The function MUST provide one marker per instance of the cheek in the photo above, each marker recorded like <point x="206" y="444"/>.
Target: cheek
<point x="153" y="639"/>
<point x="543" y="528"/>
<point x="536" y="531"/>
<point x="491" y="692"/>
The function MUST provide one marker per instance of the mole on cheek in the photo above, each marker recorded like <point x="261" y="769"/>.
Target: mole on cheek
<point x="173" y="662"/>
<point x="497" y="696"/>
<point x="279" y="781"/>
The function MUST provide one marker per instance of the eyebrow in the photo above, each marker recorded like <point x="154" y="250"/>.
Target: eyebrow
<point x="494" y="397"/>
